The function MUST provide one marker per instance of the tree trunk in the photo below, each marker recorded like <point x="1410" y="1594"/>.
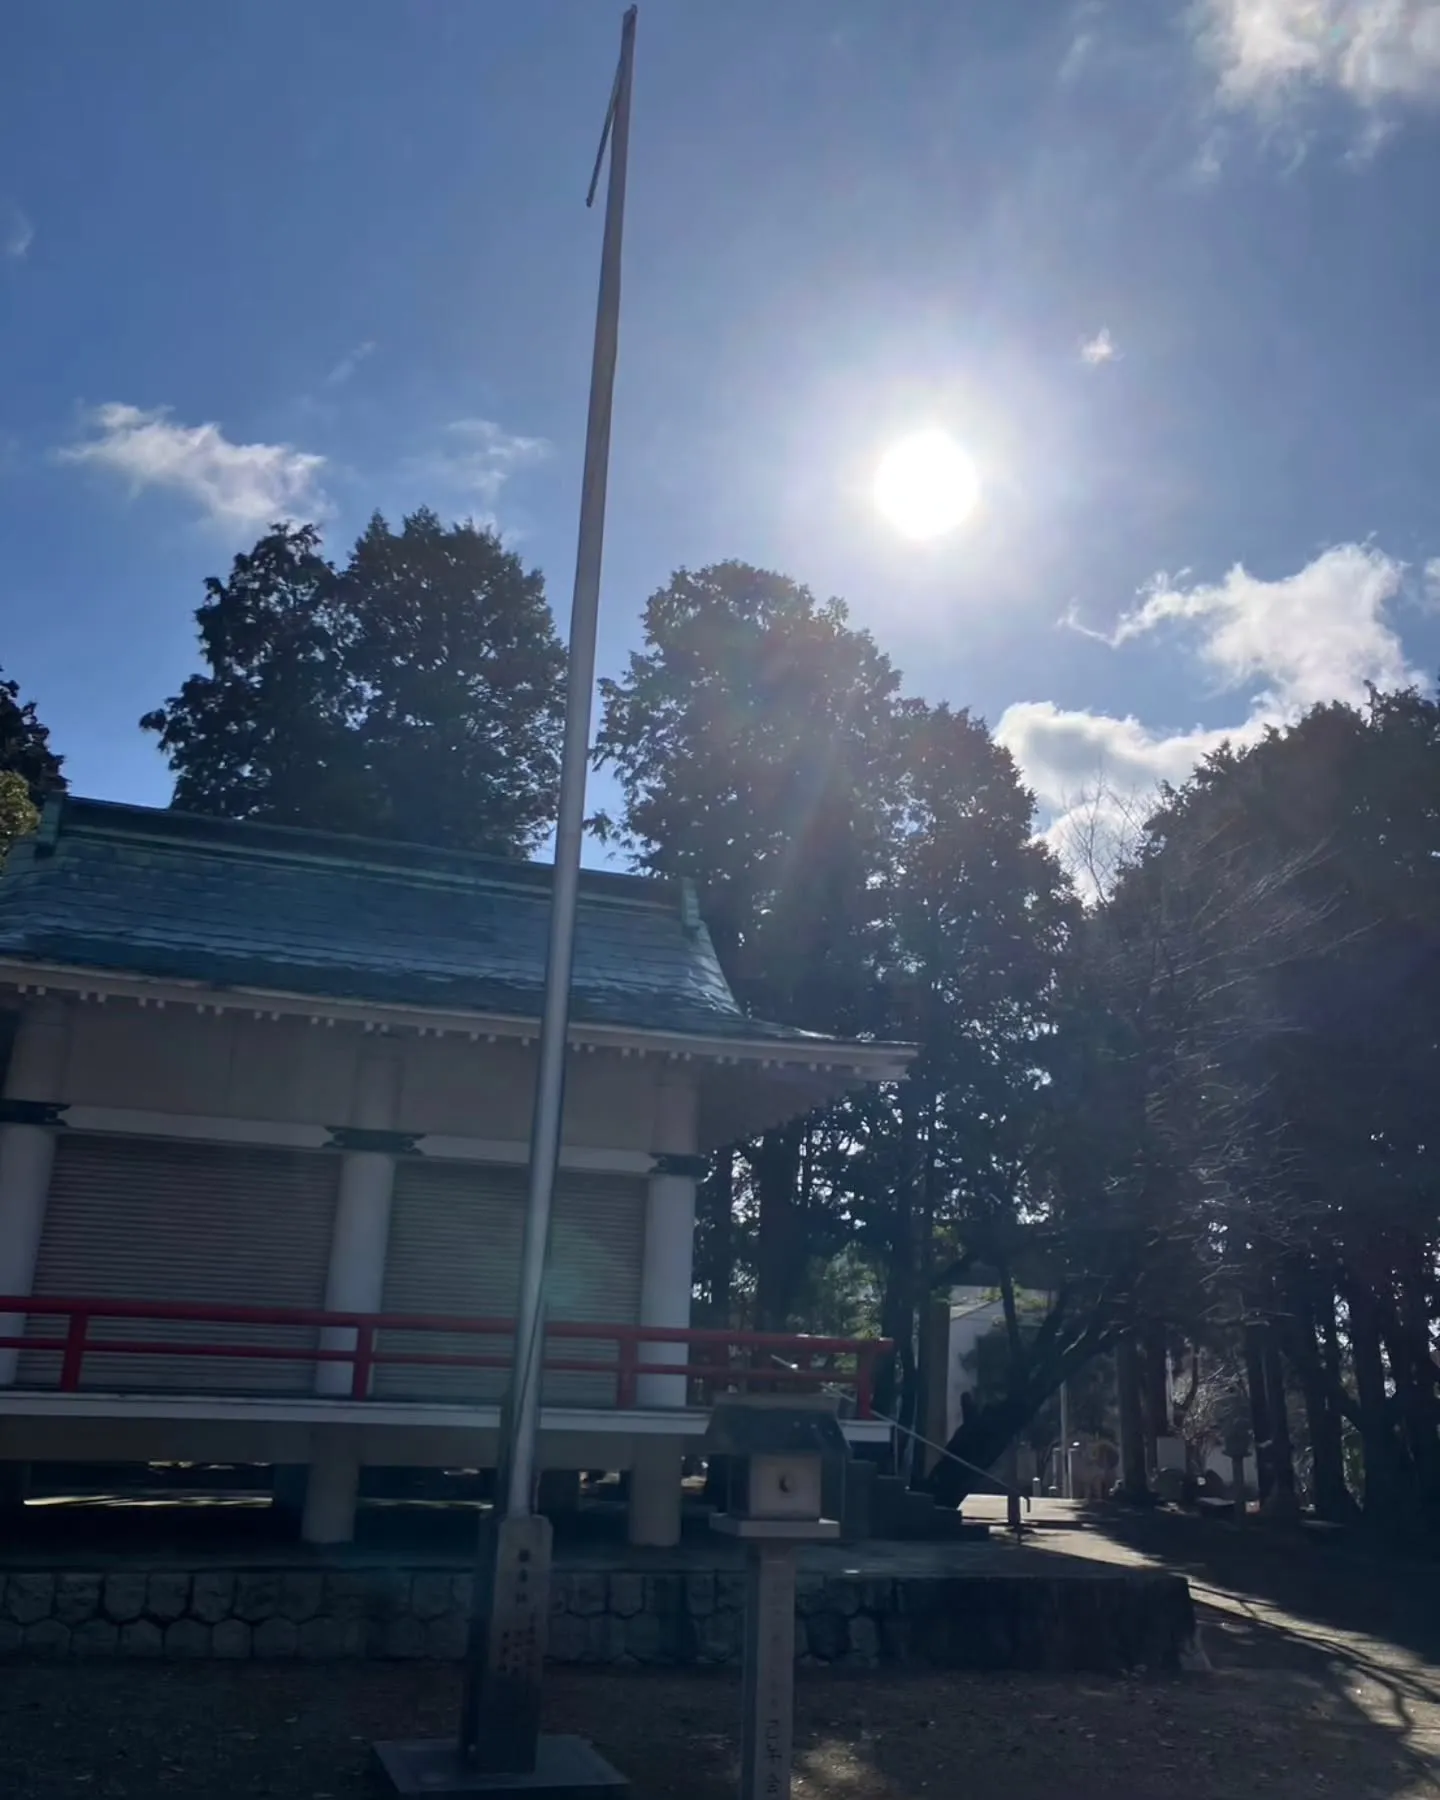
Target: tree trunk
<point x="896" y="1378"/>
<point x="1284" y="1501"/>
<point x="1406" y="1328"/>
<point x="1154" y="1390"/>
<point x="717" y="1239"/>
<point x="1134" y="1485"/>
<point x="896" y="1388"/>
<point x="981" y="1440"/>
<point x="1389" y="1492"/>
<point x="780" y="1250"/>
<point x="1312" y="1304"/>
<point x="1253" y="1340"/>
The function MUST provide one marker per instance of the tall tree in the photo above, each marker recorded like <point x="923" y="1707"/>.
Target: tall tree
<point x="451" y="643"/>
<point x="1294" y="888"/>
<point x="416" y="693"/>
<point x="271" y="730"/>
<point x="756" y="742"/>
<point x="25" y="745"/>
<point x="977" y="921"/>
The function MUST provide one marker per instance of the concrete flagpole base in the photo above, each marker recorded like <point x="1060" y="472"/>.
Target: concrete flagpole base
<point x="566" y="1768"/>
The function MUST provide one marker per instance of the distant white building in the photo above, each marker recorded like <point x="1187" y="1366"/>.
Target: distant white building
<point x="974" y="1311"/>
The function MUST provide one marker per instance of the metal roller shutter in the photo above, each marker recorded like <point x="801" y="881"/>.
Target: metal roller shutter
<point x="455" y="1248"/>
<point x="150" y="1219"/>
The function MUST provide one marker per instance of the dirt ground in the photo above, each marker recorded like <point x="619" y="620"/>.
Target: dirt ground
<point x="1325" y="1680"/>
<point x="303" y="1733"/>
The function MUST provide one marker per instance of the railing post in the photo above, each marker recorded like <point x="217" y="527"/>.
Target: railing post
<point x="625" y="1384"/>
<point x="864" y="1382"/>
<point x="363" y="1363"/>
<point x="74" y="1352"/>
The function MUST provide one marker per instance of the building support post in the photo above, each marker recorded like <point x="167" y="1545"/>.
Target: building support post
<point x="667" y="1268"/>
<point x="332" y="1489"/>
<point x="361" y="1235"/>
<point x="654" y="1505"/>
<point x="30" y="1110"/>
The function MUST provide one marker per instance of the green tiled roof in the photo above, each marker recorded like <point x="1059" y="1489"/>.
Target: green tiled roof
<point x="141" y="891"/>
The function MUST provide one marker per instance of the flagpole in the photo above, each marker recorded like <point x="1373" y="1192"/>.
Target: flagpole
<point x="519" y="1464"/>
<point x="495" y="1707"/>
<point x="499" y="1748"/>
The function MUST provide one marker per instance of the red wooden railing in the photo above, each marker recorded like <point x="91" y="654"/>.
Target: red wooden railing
<point x="766" y="1359"/>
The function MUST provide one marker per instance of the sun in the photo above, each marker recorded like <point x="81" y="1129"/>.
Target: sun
<point x="926" y="485"/>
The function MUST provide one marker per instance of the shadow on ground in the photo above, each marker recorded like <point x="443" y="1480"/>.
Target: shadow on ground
<point x="304" y="1734"/>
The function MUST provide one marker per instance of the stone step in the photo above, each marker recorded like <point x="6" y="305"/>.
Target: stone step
<point x="900" y="1512"/>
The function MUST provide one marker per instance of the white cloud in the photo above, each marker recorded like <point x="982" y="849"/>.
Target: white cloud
<point x="1317" y="635"/>
<point x="17" y="233"/>
<point x="1320" y="634"/>
<point x="1093" y="774"/>
<point x="350" y="362"/>
<point x="479" y="457"/>
<point x="1066" y="752"/>
<point x="247" y="485"/>
<point x="1374" y="51"/>
<point x="1099" y="349"/>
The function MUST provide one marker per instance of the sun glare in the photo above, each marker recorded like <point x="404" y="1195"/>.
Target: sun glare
<point x="926" y="485"/>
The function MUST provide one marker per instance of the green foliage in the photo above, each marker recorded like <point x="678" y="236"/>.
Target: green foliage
<point x="866" y="863"/>
<point x="25" y="745"/>
<point x="1280" y="923"/>
<point x="417" y="693"/>
<point x="755" y="743"/>
<point x="18" y="812"/>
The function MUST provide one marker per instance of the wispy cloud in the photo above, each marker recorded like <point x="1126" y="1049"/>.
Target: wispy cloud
<point x="234" y="485"/>
<point x="17" y="233"/>
<point x="350" y="362"/>
<point x="1319" y="634"/>
<point x="1099" y="349"/>
<point x="477" y="458"/>
<point x="1270" y="52"/>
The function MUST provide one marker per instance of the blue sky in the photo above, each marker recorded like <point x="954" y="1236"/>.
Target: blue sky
<point x="1169" y="272"/>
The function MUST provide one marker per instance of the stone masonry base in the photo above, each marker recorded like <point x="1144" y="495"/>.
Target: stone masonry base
<point x="1110" y="1621"/>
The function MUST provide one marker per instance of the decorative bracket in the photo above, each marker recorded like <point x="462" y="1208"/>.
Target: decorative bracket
<point x="33" y="1112"/>
<point x="385" y="1143"/>
<point x="692" y="1168"/>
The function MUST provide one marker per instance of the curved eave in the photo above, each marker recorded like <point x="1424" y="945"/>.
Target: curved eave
<point x="832" y="1065"/>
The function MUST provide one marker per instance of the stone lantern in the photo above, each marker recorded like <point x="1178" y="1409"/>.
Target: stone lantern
<point x="776" y="1452"/>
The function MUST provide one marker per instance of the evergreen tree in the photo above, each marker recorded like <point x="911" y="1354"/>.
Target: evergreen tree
<point x="417" y="693"/>
<point x="25" y="745"/>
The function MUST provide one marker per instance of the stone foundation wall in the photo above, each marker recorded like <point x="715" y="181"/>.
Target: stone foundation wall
<point x="1112" y="1622"/>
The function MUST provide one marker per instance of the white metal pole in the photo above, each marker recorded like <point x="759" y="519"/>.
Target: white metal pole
<point x="524" y="1409"/>
<point x="500" y="1709"/>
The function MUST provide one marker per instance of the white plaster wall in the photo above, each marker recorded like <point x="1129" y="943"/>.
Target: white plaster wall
<point x="289" y="1071"/>
<point x="965" y="1333"/>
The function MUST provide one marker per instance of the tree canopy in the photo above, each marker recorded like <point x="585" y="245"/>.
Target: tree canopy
<point x="30" y="771"/>
<point x="25" y="745"/>
<point x="867" y="864"/>
<point x="1192" y="1124"/>
<point x="415" y="693"/>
